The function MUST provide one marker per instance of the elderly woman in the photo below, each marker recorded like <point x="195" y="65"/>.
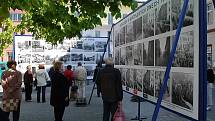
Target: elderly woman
<point x="11" y="83"/>
<point x="59" y="91"/>
<point x="28" y="81"/>
<point x="42" y="78"/>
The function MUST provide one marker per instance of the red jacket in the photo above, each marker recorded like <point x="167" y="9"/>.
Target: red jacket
<point x="69" y="75"/>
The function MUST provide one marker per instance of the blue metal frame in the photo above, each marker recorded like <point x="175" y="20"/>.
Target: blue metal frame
<point x="166" y="76"/>
<point x="203" y="60"/>
<point x="105" y="49"/>
<point x="13" y="51"/>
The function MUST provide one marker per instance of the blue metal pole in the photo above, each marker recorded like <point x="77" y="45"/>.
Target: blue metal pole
<point x="166" y="76"/>
<point x="203" y="60"/>
<point x="105" y="48"/>
<point x="13" y="50"/>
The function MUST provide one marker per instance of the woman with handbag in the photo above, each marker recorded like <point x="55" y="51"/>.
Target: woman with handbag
<point x="11" y="83"/>
<point x="59" y="91"/>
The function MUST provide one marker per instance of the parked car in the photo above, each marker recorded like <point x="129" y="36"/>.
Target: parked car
<point x="3" y="67"/>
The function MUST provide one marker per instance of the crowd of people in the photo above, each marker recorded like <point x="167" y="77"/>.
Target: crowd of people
<point x="66" y="85"/>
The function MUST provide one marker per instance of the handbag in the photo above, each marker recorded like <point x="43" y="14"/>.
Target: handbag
<point x="119" y="114"/>
<point x="10" y="105"/>
<point x="74" y="87"/>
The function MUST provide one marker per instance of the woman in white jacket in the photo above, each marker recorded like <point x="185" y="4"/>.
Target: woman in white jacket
<point x="42" y="78"/>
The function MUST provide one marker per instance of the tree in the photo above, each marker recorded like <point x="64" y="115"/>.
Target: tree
<point x="6" y="37"/>
<point x="55" y="20"/>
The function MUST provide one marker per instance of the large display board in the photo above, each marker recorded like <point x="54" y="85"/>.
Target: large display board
<point x="142" y="43"/>
<point x="34" y="52"/>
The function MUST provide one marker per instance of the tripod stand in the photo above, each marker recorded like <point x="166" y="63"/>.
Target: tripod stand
<point x="101" y="60"/>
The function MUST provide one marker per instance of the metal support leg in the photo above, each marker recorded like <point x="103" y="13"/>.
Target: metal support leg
<point x="138" y="117"/>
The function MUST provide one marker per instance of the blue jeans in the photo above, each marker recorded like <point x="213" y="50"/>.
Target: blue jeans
<point x="43" y="93"/>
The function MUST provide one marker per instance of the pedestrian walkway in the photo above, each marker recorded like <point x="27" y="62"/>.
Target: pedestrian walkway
<point x="33" y="111"/>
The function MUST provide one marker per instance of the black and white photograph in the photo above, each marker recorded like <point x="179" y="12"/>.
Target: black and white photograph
<point x="123" y="75"/>
<point x="138" y="54"/>
<point x="129" y="82"/>
<point x="129" y="55"/>
<point x="117" y="56"/>
<point x="64" y="46"/>
<point x="159" y="77"/>
<point x="162" y="51"/>
<point x="88" y="45"/>
<point x="24" y="58"/>
<point x="148" y="82"/>
<point x="90" y="70"/>
<point x="137" y="27"/>
<point x="100" y="46"/>
<point x="162" y="18"/>
<point x="138" y="80"/>
<point x="182" y="89"/>
<point x="148" y="25"/>
<point x="98" y="57"/>
<point x="65" y="57"/>
<point x="184" y="56"/>
<point x="176" y="9"/>
<point x="116" y="42"/>
<point x="24" y="46"/>
<point x="122" y="35"/>
<point x="49" y="46"/>
<point x="89" y="58"/>
<point x="38" y="58"/>
<point x="132" y="77"/>
<point x="122" y="56"/>
<point x="76" y="57"/>
<point x="49" y="58"/>
<point x="38" y="46"/>
<point x="76" y="46"/>
<point x="148" y="53"/>
<point x="129" y="36"/>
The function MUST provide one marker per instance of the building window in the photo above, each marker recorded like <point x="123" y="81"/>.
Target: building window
<point x="210" y="14"/>
<point x="97" y="33"/>
<point x="110" y="19"/>
<point x="9" y="56"/>
<point x="16" y="17"/>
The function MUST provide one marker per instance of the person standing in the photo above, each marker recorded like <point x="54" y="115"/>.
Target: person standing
<point x="111" y="89"/>
<point x="28" y="81"/>
<point x="95" y="78"/>
<point x="68" y="73"/>
<point x="210" y="76"/>
<point x="80" y="77"/>
<point x="42" y="78"/>
<point x="59" y="91"/>
<point x="11" y="83"/>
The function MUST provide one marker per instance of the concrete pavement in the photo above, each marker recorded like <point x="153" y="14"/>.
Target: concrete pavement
<point x="33" y="111"/>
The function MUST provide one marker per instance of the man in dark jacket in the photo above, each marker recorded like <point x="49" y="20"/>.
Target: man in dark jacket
<point x="111" y="89"/>
<point x="95" y="78"/>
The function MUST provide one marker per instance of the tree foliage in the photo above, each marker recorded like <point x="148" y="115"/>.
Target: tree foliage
<point x="55" y="20"/>
<point x="6" y="37"/>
